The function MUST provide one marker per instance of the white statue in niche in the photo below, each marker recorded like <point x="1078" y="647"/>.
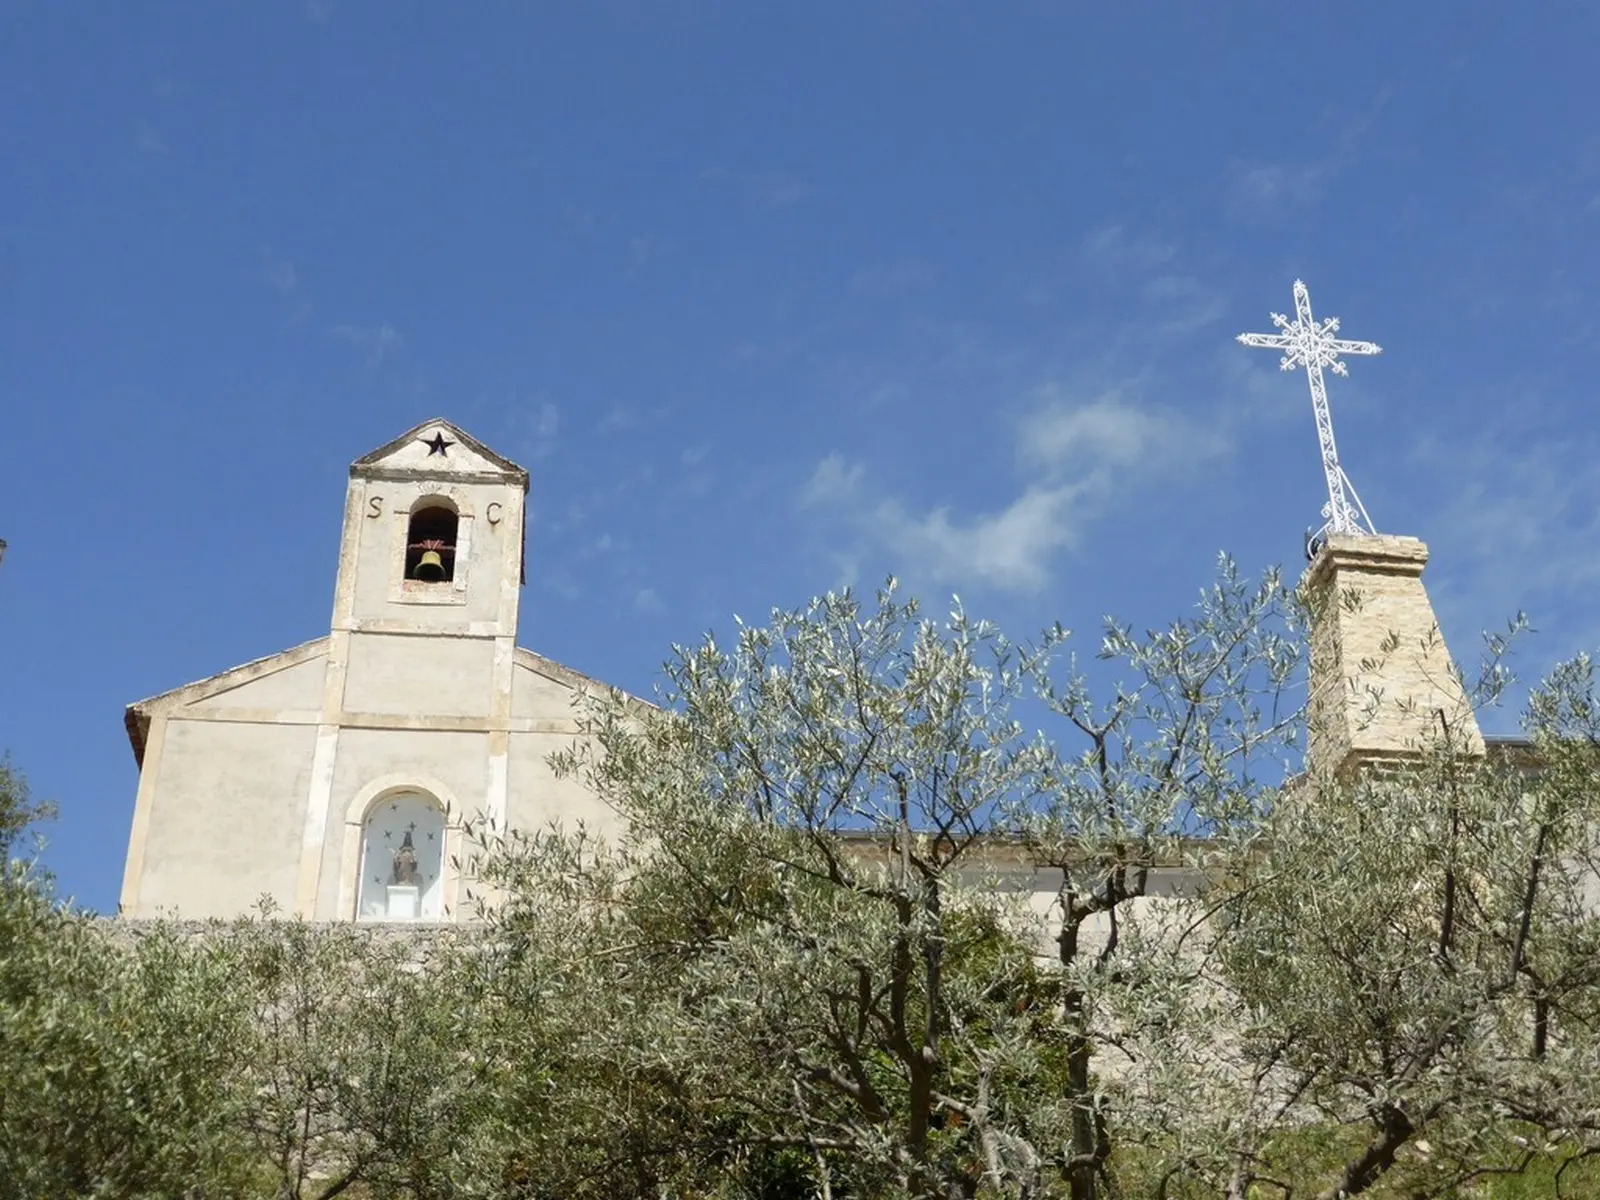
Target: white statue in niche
<point x="402" y="860"/>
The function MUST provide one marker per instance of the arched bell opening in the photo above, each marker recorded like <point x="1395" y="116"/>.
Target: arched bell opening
<point x="431" y="543"/>
<point x="402" y="860"/>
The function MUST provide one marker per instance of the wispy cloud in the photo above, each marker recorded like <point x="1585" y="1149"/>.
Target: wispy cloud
<point x="834" y="481"/>
<point x="525" y="428"/>
<point x="647" y="602"/>
<point x="1175" y="299"/>
<point x="1270" y="187"/>
<point x="1061" y="435"/>
<point x="1514" y="511"/>
<point x="545" y="430"/>
<point x="374" y="342"/>
<point x="646" y="250"/>
<point x="761" y="189"/>
<point x="698" y="478"/>
<point x="147" y="139"/>
<point x="618" y="419"/>
<point x="1073" y="457"/>
<point x="560" y="581"/>
<point x="1008" y="549"/>
<point x="1118" y="248"/>
<point x="1256" y="387"/>
<point x="1185" y="304"/>
<point x="278" y="273"/>
<point x="1256" y="187"/>
<point x="576" y="220"/>
<point x="893" y="278"/>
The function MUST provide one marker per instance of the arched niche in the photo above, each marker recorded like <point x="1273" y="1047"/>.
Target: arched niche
<point x="396" y="805"/>
<point x="401" y="877"/>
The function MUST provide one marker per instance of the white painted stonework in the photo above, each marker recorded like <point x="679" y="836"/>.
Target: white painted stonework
<point x="268" y="780"/>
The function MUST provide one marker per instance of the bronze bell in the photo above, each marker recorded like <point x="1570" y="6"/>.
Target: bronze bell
<point x="430" y="567"/>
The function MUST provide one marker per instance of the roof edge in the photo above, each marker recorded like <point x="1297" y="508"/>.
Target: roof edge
<point x="560" y="673"/>
<point x="374" y="457"/>
<point x="139" y="714"/>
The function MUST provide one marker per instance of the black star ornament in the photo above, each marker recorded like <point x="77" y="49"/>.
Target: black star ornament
<point x="437" y="444"/>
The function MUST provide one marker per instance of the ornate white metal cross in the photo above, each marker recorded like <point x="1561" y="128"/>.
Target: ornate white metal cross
<point x="1311" y="344"/>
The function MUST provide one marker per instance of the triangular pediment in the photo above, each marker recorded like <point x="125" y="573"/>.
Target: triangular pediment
<point x="290" y="679"/>
<point x="543" y="689"/>
<point x="436" y="449"/>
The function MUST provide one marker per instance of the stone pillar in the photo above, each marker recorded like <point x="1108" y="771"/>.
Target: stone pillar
<point x="1383" y="686"/>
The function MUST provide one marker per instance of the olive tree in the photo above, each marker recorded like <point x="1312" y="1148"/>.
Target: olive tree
<point x="19" y="812"/>
<point x="115" y="1053"/>
<point x="361" y="1057"/>
<point x="824" y="913"/>
<point x="1157" y="788"/>
<point x="793" y="914"/>
<point x="1405" y="975"/>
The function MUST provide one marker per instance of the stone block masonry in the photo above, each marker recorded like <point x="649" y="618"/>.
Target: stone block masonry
<point x="1383" y="685"/>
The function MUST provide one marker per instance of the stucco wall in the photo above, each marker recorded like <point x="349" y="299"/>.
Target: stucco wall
<point x="297" y="688"/>
<point x="426" y="676"/>
<point x="540" y="697"/>
<point x="538" y="800"/>
<point x="232" y="802"/>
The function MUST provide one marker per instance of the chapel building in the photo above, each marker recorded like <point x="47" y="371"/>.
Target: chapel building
<point x="334" y="778"/>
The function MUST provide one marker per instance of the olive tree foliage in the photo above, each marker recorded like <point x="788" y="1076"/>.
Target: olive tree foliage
<point x="608" y="1082"/>
<point x="115" y="1063"/>
<point x="261" y="1057"/>
<point x="392" y="1062"/>
<point x="855" y="929"/>
<point x="114" y="1058"/>
<point x="19" y="812"/>
<point x="360" y="1058"/>
<point x="1408" y="967"/>
<point x="819" y="935"/>
<point x="1158" y="787"/>
<point x="790" y="916"/>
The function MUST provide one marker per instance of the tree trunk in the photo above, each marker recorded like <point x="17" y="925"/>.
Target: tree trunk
<point x="1084" y="1168"/>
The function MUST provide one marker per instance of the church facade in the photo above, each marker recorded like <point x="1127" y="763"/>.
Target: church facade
<point x="334" y="778"/>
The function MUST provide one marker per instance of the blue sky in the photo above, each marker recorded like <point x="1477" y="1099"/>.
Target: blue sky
<point x="768" y="299"/>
